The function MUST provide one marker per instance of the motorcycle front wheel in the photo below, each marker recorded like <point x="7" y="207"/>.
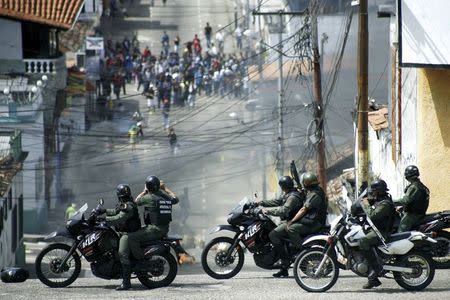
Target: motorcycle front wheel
<point x="307" y="263"/>
<point x="48" y="264"/>
<point x="162" y="271"/>
<point x="423" y="271"/>
<point x="215" y="261"/>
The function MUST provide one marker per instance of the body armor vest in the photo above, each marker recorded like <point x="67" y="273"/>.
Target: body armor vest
<point x="134" y="223"/>
<point x="161" y="213"/>
<point x="419" y="206"/>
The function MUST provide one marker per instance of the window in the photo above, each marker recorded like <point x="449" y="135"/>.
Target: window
<point x="20" y="219"/>
<point x="10" y="199"/>
<point x="14" y="229"/>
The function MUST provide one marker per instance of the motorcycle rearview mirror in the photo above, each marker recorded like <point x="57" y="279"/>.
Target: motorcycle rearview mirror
<point x="101" y="201"/>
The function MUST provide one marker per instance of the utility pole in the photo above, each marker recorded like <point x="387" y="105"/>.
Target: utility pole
<point x="318" y="113"/>
<point x="280" y="138"/>
<point x="363" y="102"/>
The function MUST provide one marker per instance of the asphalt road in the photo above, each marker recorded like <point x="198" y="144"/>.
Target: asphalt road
<point x="246" y="285"/>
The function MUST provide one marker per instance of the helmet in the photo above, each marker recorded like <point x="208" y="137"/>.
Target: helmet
<point x="411" y="171"/>
<point x="152" y="183"/>
<point x="379" y="186"/>
<point x="309" y="179"/>
<point x="286" y="182"/>
<point x="123" y="192"/>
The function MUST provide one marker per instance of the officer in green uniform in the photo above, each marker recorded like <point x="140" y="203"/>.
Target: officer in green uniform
<point x="415" y="201"/>
<point x="125" y="218"/>
<point x="313" y="215"/>
<point x="157" y="201"/>
<point x="284" y="207"/>
<point x="381" y="211"/>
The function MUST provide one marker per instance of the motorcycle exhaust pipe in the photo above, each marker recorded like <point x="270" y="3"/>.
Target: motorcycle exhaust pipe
<point x="398" y="269"/>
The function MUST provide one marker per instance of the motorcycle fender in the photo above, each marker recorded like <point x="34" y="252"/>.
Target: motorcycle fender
<point x="55" y="235"/>
<point x="155" y="250"/>
<point x="223" y="227"/>
<point x="419" y="236"/>
<point x="315" y="238"/>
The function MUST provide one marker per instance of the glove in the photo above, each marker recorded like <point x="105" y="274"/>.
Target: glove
<point x="100" y="211"/>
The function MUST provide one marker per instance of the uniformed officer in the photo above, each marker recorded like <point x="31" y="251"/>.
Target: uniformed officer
<point x="157" y="201"/>
<point x="284" y="207"/>
<point x="125" y="218"/>
<point x="381" y="211"/>
<point x="313" y="215"/>
<point x="415" y="201"/>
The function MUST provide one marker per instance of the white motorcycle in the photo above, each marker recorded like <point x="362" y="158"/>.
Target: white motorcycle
<point x="317" y="269"/>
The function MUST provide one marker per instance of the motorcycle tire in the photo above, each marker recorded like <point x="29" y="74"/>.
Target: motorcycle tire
<point x="312" y="257"/>
<point x="213" y="243"/>
<point x="42" y="275"/>
<point x="146" y="277"/>
<point x="402" y="278"/>
<point x="442" y="262"/>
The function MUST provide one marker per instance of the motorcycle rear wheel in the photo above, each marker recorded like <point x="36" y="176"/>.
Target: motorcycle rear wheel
<point x="221" y="246"/>
<point x="415" y="282"/>
<point x="307" y="263"/>
<point x="442" y="262"/>
<point x="156" y="278"/>
<point x="47" y="271"/>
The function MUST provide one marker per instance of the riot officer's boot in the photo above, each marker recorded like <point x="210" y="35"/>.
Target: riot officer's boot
<point x="126" y="278"/>
<point x="372" y="280"/>
<point x="282" y="273"/>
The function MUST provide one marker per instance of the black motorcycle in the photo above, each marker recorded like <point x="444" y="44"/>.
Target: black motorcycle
<point x="223" y="257"/>
<point x="59" y="264"/>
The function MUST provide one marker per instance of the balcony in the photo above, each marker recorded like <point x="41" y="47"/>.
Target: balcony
<point x="51" y="66"/>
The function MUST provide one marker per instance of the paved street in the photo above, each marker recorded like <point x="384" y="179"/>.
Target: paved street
<point x="246" y="285"/>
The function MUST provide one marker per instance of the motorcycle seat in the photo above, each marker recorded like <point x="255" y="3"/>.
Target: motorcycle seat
<point x="398" y="236"/>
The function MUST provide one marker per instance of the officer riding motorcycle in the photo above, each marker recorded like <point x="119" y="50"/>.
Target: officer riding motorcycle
<point x="381" y="211"/>
<point x="284" y="207"/>
<point x="157" y="201"/>
<point x="125" y="218"/>
<point x="415" y="201"/>
<point x="313" y="215"/>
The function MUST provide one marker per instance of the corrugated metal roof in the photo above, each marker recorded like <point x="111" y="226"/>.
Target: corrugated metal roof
<point x="56" y="13"/>
<point x="5" y="147"/>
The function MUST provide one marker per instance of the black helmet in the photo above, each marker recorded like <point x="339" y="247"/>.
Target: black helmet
<point x="309" y="179"/>
<point x="411" y="171"/>
<point x="378" y="186"/>
<point x="152" y="183"/>
<point x="286" y="182"/>
<point x="123" y="192"/>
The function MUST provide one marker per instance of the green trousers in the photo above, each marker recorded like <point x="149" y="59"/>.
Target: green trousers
<point x="145" y="234"/>
<point x="124" y="250"/>
<point x="409" y="221"/>
<point x="370" y="240"/>
<point x="296" y="233"/>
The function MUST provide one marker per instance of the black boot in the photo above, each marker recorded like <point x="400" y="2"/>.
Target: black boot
<point x="374" y="270"/>
<point x="372" y="280"/>
<point x="126" y="276"/>
<point x="282" y="273"/>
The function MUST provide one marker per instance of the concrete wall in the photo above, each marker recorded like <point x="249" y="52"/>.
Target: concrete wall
<point x="10" y="40"/>
<point x="433" y="134"/>
<point x="7" y="256"/>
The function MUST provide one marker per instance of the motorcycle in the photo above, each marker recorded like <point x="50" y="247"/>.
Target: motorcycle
<point x="59" y="264"/>
<point x="223" y="257"/>
<point x="403" y="255"/>
<point x="436" y="223"/>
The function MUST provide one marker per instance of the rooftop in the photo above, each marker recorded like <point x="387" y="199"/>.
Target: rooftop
<point x="56" y="13"/>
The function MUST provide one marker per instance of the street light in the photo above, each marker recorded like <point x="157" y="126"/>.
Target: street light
<point x="6" y="91"/>
<point x="34" y="89"/>
<point x="44" y="78"/>
<point x="39" y="83"/>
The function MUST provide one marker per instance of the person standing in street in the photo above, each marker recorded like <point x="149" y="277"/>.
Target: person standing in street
<point x="219" y="40"/>
<point x="415" y="201"/>
<point x="176" y="44"/>
<point x="125" y="218"/>
<point x="172" y="140"/>
<point x="157" y="201"/>
<point x="238" y="35"/>
<point x="208" y="31"/>
<point x="165" y="112"/>
<point x="70" y="211"/>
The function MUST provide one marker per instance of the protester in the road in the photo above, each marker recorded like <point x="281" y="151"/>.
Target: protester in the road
<point x="173" y="140"/>
<point x="70" y="211"/>
<point x="208" y="31"/>
<point x="238" y="35"/>
<point x="125" y="218"/>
